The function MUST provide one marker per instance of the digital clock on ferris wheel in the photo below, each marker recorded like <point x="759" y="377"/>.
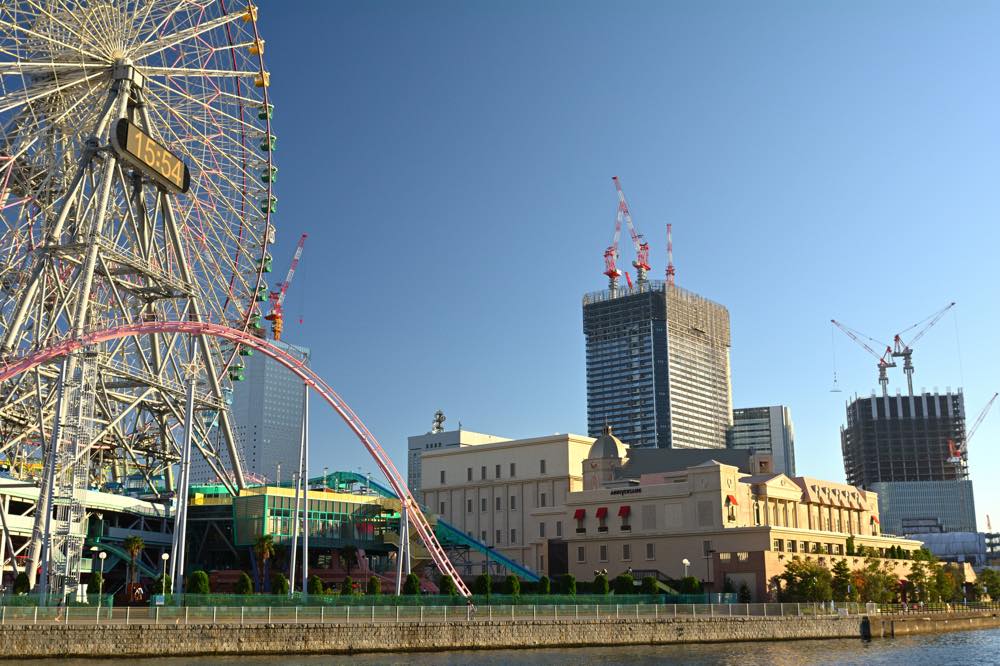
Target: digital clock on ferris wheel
<point x="150" y="157"/>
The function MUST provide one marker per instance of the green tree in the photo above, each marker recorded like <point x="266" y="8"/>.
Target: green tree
<point x="601" y="584"/>
<point x="347" y="586"/>
<point x="412" y="584"/>
<point x="315" y="584"/>
<point x="243" y="584"/>
<point x="990" y="579"/>
<point x="649" y="585"/>
<point x="133" y="545"/>
<point x="22" y="584"/>
<point x="279" y="583"/>
<point x="544" y="585"/>
<point x="96" y="583"/>
<point x="805" y="580"/>
<point x="446" y="586"/>
<point x="624" y="584"/>
<point x="568" y="584"/>
<point x="162" y="584"/>
<point x="850" y="545"/>
<point x="690" y="585"/>
<point x="918" y="587"/>
<point x="374" y="586"/>
<point x="482" y="585"/>
<point x="513" y="585"/>
<point x="263" y="548"/>
<point x="744" y="593"/>
<point x="841" y="583"/>
<point x="197" y="583"/>
<point x="349" y="557"/>
<point x="876" y="581"/>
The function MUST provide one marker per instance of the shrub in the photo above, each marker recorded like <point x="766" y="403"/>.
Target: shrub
<point x="544" y="585"/>
<point x="447" y="586"/>
<point x="690" y="585"/>
<point x="96" y="582"/>
<point x="162" y="585"/>
<point x="279" y="583"/>
<point x="483" y="584"/>
<point x="850" y="545"/>
<point x="601" y="584"/>
<point x="512" y="586"/>
<point x="568" y="584"/>
<point x="21" y="583"/>
<point x="374" y="586"/>
<point x="243" y="584"/>
<point x="315" y="584"/>
<point x="412" y="584"/>
<point x="649" y="585"/>
<point x="347" y="586"/>
<point x="744" y="594"/>
<point x="624" y="584"/>
<point x="197" y="583"/>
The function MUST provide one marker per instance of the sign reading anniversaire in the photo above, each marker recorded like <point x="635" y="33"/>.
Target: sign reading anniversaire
<point x="144" y="152"/>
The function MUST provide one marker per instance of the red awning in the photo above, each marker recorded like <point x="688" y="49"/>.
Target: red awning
<point x="580" y="513"/>
<point x="602" y="512"/>
<point x="875" y="520"/>
<point x="732" y="500"/>
<point x="624" y="510"/>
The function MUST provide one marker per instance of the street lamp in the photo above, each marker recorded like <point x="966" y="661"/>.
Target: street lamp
<point x="163" y="579"/>
<point x="686" y="562"/>
<point x="100" y="583"/>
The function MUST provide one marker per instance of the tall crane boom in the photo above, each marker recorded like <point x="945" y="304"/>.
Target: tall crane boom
<point x="611" y="256"/>
<point x="670" y="254"/>
<point x="276" y="316"/>
<point x="641" y="262"/>
<point x="905" y="351"/>
<point x="884" y="360"/>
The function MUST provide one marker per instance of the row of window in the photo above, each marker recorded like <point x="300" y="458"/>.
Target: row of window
<point x="625" y="552"/>
<point x="499" y="537"/>
<point x="496" y="472"/>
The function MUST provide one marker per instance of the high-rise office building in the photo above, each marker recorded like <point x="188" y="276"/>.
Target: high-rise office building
<point x="267" y="413"/>
<point x="910" y="450"/>
<point x="766" y="430"/>
<point x="658" y="366"/>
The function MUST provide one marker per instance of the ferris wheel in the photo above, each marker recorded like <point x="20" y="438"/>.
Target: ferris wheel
<point x="136" y="184"/>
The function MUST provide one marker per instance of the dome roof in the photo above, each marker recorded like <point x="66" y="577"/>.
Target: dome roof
<point x="607" y="446"/>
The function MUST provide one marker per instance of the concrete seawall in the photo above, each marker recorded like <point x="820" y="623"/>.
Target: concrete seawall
<point x="123" y="641"/>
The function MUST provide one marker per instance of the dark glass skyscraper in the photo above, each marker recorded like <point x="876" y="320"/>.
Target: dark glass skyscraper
<point x="658" y="367"/>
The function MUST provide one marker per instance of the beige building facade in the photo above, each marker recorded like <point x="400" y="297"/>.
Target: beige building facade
<point x="501" y="492"/>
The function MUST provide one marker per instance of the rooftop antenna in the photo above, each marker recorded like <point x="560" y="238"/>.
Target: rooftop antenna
<point x="670" y="254"/>
<point x="438" y="424"/>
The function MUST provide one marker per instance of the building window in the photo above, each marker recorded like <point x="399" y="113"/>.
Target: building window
<point x="513" y="503"/>
<point x="626" y="552"/>
<point x="482" y="536"/>
<point x="482" y="472"/>
<point x="650" y="551"/>
<point x="442" y="476"/>
<point x="513" y="535"/>
<point x="541" y="530"/>
<point x="468" y="505"/>
<point x="541" y="499"/>
<point x="482" y="504"/>
<point x="558" y="528"/>
<point x="792" y="546"/>
<point x="470" y="473"/>
<point x="513" y="471"/>
<point x="442" y="509"/>
<point x="603" y="550"/>
<point x="756" y="513"/>
<point x="541" y="563"/>
<point x="499" y="534"/>
<point x="498" y="503"/>
<point x="541" y="466"/>
<point x="498" y="471"/>
<point x="779" y="545"/>
<point x="624" y="512"/>
<point x="581" y="555"/>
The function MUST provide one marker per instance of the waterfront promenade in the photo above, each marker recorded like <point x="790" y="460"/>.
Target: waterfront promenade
<point x="136" y="632"/>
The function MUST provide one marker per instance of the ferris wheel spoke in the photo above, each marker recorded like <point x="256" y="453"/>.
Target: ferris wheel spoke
<point x="73" y="48"/>
<point x="150" y="48"/>
<point x="25" y="97"/>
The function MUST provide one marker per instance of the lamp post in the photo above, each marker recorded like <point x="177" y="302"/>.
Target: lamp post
<point x="686" y="562"/>
<point x="163" y="579"/>
<point x="100" y="583"/>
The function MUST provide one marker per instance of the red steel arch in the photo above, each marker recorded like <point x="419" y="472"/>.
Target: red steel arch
<point x="14" y="366"/>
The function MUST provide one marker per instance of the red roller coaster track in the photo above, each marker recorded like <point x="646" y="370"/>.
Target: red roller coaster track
<point x="14" y="366"/>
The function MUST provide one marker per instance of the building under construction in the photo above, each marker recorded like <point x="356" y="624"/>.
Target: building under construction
<point x="911" y="451"/>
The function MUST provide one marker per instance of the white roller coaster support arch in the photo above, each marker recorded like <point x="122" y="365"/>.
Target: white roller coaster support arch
<point x="17" y="365"/>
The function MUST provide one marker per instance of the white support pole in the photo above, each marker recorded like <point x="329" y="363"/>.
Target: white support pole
<point x="181" y="490"/>
<point x="304" y="476"/>
<point x="297" y="480"/>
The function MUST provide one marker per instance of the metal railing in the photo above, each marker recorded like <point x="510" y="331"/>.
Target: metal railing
<point x="258" y="615"/>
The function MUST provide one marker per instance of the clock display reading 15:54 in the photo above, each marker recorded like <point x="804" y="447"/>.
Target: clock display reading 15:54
<point x="146" y="153"/>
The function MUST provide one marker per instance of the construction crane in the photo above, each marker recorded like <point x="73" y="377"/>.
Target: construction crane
<point x="276" y="316"/>
<point x="641" y="262"/>
<point x="670" y="254"/>
<point x="956" y="452"/>
<point x="905" y="351"/>
<point x="611" y="256"/>
<point x="884" y="360"/>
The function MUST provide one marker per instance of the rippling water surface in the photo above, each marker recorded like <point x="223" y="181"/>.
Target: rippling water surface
<point x="962" y="647"/>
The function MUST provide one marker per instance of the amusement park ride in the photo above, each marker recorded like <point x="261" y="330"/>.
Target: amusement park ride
<point x="136" y="205"/>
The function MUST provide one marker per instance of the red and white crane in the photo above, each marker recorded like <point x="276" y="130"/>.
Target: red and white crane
<point x="958" y="451"/>
<point x="276" y="316"/>
<point x="611" y="256"/>
<point x="670" y="254"/>
<point x="884" y="360"/>
<point x="641" y="262"/>
<point x="905" y="351"/>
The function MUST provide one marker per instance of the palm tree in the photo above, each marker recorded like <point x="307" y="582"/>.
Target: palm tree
<point x="349" y="557"/>
<point x="264" y="550"/>
<point x="133" y="545"/>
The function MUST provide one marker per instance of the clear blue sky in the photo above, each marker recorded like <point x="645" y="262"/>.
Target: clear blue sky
<point x="452" y="163"/>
